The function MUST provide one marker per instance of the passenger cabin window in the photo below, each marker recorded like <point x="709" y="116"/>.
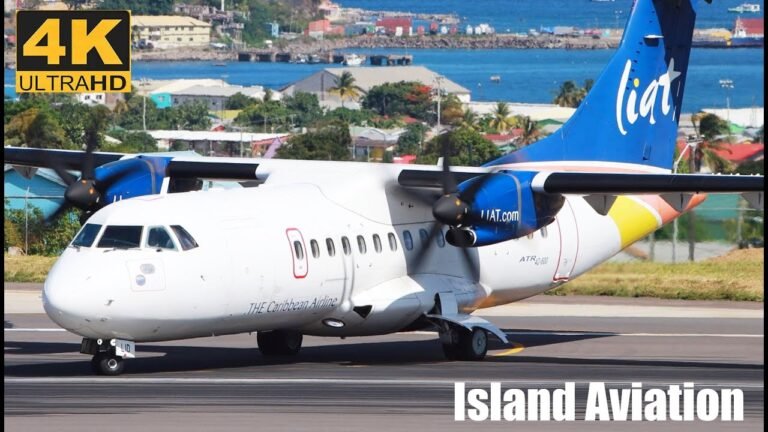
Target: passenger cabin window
<point x="424" y="235"/>
<point x="87" y="235"/>
<point x="185" y="239"/>
<point x="407" y="240"/>
<point x="345" y="245"/>
<point x="331" y="247"/>
<point x="121" y="237"/>
<point x="377" y="243"/>
<point x="315" y="249"/>
<point x="158" y="238"/>
<point x="361" y="244"/>
<point x="392" y="242"/>
<point x="299" y="250"/>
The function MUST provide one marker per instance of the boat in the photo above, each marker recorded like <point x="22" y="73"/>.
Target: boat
<point x="495" y="78"/>
<point x="745" y="7"/>
<point x="219" y="64"/>
<point x="353" y="60"/>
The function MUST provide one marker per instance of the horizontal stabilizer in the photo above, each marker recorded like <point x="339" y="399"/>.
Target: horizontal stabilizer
<point x="611" y="183"/>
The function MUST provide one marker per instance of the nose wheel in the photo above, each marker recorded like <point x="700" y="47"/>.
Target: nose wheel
<point x="107" y="363"/>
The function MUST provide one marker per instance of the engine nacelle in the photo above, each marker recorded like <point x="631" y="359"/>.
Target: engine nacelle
<point x="128" y="178"/>
<point x="503" y="208"/>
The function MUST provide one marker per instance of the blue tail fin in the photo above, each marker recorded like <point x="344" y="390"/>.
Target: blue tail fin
<point x="632" y="111"/>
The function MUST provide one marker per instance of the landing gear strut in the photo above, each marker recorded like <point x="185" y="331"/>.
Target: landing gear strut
<point x="279" y="342"/>
<point x="463" y="344"/>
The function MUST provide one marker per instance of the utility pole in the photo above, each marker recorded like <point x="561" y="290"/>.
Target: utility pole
<point x="144" y="112"/>
<point x="727" y="84"/>
<point x="692" y="146"/>
<point x="439" y="81"/>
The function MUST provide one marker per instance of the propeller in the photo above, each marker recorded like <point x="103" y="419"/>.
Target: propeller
<point x="84" y="193"/>
<point x="452" y="209"/>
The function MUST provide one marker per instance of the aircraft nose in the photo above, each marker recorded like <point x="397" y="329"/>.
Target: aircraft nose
<point x="76" y="298"/>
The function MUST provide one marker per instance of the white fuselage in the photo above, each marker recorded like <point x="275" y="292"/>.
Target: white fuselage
<point x="273" y="257"/>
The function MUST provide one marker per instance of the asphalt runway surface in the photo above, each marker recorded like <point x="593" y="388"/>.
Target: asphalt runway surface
<point x="392" y="382"/>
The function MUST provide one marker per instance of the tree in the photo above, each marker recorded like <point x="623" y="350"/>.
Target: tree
<point x="411" y="141"/>
<point x="132" y="142"/>
<point x="530" y="131"/>
<point x="304" y="108"/>
<point x="402" y="98"/>
<point x="709" y="129"/>
<point x="501" y="119"/>
<point x="452" y="112"/>
<point x="239" y="101"/>
<point x="139" y="7"/>
<point x="571" y="95"/>
<point x="43" y="238"/>
<point x="36" y="127"/>
<point x="346" y="88"/>
<point x="469" y="120"/>
<point x="329" y="142"/>
<point x="191" y="116"/>
<point x="465" y="146"/>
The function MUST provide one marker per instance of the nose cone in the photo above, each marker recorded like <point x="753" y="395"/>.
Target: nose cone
<point x="76" y="293"/>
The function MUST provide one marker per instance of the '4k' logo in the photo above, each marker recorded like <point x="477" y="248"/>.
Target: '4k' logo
<point x="647" y="100"/>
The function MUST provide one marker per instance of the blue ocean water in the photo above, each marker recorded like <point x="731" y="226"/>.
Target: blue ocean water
<point x="521" y="15"/>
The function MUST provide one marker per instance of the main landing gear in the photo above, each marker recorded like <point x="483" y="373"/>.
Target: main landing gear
<point x="464" y="344"/>
<point x="108" y="354"/>
<point x="279" y="342"/>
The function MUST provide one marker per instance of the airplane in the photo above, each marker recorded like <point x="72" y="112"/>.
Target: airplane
<point x="342" y="249"/>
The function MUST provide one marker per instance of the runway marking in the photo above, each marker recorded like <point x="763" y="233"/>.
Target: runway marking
<point x="255" y="381"/>
<point x="516" y="348"/>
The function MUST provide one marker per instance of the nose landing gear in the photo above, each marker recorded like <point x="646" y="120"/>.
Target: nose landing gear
<point x="108" y="355"/>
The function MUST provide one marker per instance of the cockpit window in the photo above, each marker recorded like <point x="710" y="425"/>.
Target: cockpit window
<point x="185" y="239"/>
<point x="87" y="235"/>
<point x="121" y="237"/>
<point x="158" y="238"/>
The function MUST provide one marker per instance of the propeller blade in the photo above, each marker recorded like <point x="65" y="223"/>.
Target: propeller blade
<point x="449" y="181"/>
<point x="59" y="169"/>
<point x="63" y="209"/>
<point x="88" y="161"/>
<point x="470" y="263"/>
<point x="433" y="233"/>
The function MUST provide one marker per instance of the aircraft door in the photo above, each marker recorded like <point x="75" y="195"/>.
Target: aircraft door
<point x="569" y="242"/>
<point x="298" y="252"/>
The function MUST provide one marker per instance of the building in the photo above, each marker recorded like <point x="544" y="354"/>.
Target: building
<point x="170" y="31"/>
<point x="395" y="26"/>
<point x="216" y="97"/>
<point x="320" y="28"/>
<point x="28" y="187"/>
<point x="369" y="77"/>
<point x="211" y="143"/>
<point x="107" y="99"/>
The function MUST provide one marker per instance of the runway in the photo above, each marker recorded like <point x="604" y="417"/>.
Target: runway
<point x="387" y="382"/>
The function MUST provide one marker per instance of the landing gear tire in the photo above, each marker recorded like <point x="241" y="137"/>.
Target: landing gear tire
<point x="467" y="345"/>
<point x="279" y="342"/>
<point x="107" y="364"/>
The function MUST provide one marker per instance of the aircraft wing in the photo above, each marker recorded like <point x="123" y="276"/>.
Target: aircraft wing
<point x="49" y="158"/>
<point x="179" y="165"/>
<point x="615" y="183"/>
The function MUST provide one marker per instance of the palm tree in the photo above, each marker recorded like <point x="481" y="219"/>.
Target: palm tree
<point x="531" y="132"/>
<point x="571" y="95"/>
<point x="345" y="87"/>
<point x="708" y="127"/>
<point x="501" y="120"/>
<point x="469" y="120"/>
